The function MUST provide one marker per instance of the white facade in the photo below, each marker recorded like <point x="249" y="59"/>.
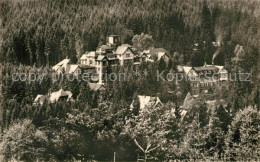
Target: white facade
<point x="88" y="59"/>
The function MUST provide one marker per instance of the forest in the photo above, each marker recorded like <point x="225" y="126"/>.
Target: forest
<point x="35" y="35"/>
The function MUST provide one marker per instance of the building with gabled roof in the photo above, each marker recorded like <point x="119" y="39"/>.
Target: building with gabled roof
<point x="96" y="86"/>
<point x="125" y="55"/>
<point x="88" y="58"/>
<point x="61" y="66"/>
<point x="147" y="102"/>
<point x="157" y="53"/>
<point x="40" y="99"/>
<point x="60" y="95"/>
<point x="74" y="69"/>
<point x="110" y="54"/>
<point x="204" y="79"/>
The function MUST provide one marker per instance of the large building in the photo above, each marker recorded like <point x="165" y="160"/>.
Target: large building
<point x="113" y="53"/>
<point x="204" y="79"/>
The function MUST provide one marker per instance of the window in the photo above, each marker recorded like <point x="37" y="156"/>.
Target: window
<point x="128" y="55"/>
<point x="90" y="62"/>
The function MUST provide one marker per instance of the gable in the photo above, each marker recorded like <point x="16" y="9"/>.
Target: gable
<point x="121" y="50"/>
<point x="128" y="51"/>
<point x="61" y="64"/>
<point x="192" y="72"/>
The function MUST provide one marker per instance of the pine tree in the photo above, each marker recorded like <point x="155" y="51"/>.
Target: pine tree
<point x="242" y="140"/>
<point x="136" y="104"/>
<point x="206" y="23"/>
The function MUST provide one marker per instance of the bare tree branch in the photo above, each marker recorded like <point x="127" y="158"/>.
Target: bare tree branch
<point x="137" y="144"/>
<point x="153" y="148"/>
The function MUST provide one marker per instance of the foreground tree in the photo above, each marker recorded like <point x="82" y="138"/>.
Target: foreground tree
<point x="149" y="130"/>
<point x="242" y="142"/>
<point x="143" y="41"/>
<point x="23" y="142"/>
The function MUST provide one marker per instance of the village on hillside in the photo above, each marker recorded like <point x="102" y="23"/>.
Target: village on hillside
<point x="129" y="80"/>
<point x="203" y="80"/>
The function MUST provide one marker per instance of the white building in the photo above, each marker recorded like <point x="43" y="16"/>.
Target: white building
<point x="147" y="102"/>
<point x="88" y="59"/>
<point x="60" y="95"/>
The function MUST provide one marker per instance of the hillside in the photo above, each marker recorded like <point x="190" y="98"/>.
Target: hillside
<point x="57" y="29"/>
<point x="127" y="80"/>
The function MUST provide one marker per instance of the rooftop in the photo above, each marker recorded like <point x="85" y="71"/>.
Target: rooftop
<point x="95" y="86"/>
<point x="100" y="57"/>
<point x="72" y="68"/>
<point x="121" y="49"/>
<point x="61" y="93"/>
<point x="63" y="63"/>
<point x="89" y="54"/>
<point x="147" y="101"/>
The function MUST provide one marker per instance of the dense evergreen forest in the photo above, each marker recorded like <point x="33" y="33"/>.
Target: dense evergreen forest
<point x="44" y="32"/>
<point x="36" y="34"/>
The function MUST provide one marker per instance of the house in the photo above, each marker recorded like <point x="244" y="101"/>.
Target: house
<point x="159" y="53"/>
<point x="88" y="59"/>
<point x="125" y="55"/>
<point x="61" y="66"/>
<point x="74" y="69"/>
<point x="204" y="79"/>
<point x="40" y="99"/>
<point x="60" y="95"/>
<point x="97" y="87"/>
<point x="147" y="102"/>
<point x="148" y="56"/>
<point x="67" y="67"/>
<point x="140" y="58"/>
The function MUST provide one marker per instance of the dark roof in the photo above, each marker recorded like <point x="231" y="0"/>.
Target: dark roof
<point x="86" y="66"/>
<point x="106" y="47"/>
<point x="101" y="57"/>
<point x="205" y="68"/>
<point x="154" y="51"/>
<point x="111" y="56"/>
<point x="113" y="35"/>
